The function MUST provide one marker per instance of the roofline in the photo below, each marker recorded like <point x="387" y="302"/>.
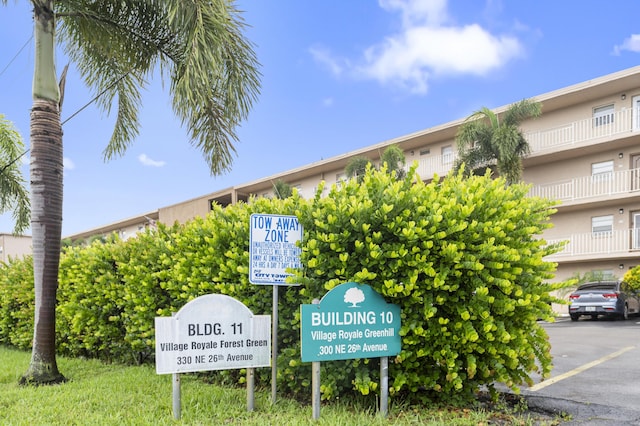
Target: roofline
<point x="111" y="227"/>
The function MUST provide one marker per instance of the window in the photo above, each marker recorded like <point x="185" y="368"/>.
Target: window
<point x="447" y="154"/>
<point x="636" y="230"/>
<point x="602" y="171"/>
<point x="604" y="274"/>
<point x="603" y="115"/>
<point x="425" y="151"/>
<point x="601" y="225"/>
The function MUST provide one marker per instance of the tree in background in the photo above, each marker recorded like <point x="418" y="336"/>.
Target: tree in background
<point x="357" y="167"/>
<point x="116" y="46"/>
<point x="632" y="277"/>
<point x="590" y="276"/>
<point x="486" y="140"/>
<point x="392" y="156"/>
<point x="282" y="189"/>
<point x="14" y="196"/>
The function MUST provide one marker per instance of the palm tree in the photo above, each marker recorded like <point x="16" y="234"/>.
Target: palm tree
<point x="282" y="190"/>
<point x="357" y="167"/>
<point x="395" y="160"/>
<point x="116" y="45"/>
<point x="392" y="156"/>
<point x="487" y="139"/>
<point x="14" y="196"/>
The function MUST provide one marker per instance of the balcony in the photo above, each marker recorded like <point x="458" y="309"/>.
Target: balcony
<point x="567" y="136"/>
<point x="440" y="165"/>
<point x="580" y="132"/>
<point x="614" y="243"/>
<point x="594" y="186"/>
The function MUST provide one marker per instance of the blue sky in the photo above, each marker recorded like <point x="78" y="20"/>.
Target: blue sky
<point x="336" y="76"/>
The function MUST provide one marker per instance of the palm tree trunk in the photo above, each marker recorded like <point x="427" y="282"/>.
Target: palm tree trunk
<point x="46" y="199"/>
<point x="46" y="226"/>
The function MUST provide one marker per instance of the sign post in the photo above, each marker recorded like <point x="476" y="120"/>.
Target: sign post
<point x="351" y="321"/>
<point x="272" y="250"/>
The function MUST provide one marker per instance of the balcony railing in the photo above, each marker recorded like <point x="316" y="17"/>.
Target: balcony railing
<point x="580" y="188"/>
<point x="568" y="135"/>
<point x="602" y="243"/>
<point x="440" y="165"/>
<point x="616" y="123"/>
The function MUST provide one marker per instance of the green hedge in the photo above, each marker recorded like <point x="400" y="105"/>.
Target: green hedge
<point x="463" y="260"/>
<point x="17" y="301"/>
<point x="460" y="256"/>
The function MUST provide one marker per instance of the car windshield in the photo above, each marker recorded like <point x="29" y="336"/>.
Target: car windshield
<point x="597" y="286"/>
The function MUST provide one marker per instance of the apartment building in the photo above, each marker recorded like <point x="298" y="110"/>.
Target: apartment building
<point x="14" y="246"/>
<point x="585" y="154"/>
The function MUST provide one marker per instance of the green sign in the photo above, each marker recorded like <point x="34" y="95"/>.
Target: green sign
<point x="351" y="321"/>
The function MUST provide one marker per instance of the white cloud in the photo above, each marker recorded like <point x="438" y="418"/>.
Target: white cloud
<point x="418" y="12"/>
<point x="631" y="44"/>
<point x="67" y="164"/>
<point x="323" y="56"/>
<point x="149" y="162"/>
<point x="427" y="45"/>
<point x="327" y="102"/>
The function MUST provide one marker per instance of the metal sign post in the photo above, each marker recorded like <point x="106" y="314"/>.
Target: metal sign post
<point x="272" y="250"/>
<point x="274" y="345"/>
<point x="384" y="386"/>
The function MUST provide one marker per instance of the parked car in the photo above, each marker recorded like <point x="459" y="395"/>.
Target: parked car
<point x="610" y="298"/>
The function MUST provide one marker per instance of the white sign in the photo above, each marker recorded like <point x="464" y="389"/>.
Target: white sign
<point x="212" y="332"/>
<point x="272" y="248"/>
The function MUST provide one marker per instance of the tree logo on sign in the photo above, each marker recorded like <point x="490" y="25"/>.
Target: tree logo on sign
<point x="354" y="296"/>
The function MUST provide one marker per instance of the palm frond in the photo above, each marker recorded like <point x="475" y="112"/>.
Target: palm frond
<point x="14" y="196"/>
<point x="198" y="45"/>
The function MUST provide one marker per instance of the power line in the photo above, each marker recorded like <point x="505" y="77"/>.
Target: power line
<point x="75" y="113"/>
<point x="16" y="55"/>
<point x="6" y="166"/>
<point x="95" y="97"/>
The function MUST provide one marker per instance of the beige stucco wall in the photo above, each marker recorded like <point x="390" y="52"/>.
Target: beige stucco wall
<point x="14" y="246"/>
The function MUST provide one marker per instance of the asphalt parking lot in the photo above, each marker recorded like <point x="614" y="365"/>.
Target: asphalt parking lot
<point x="596" y="375"/>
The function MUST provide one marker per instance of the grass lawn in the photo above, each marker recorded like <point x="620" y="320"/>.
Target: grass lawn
<point x="111" y="394"/>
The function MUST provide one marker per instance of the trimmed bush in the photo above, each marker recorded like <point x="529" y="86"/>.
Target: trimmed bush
<point x="461" y="257"/>
<point x="17" y="302"/>
<point x="90" y="295"/>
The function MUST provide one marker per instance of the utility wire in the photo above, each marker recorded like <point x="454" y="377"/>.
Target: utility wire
<point x="16" y="55"/>
<point x="79" y="110"/>
<point x="95" y="97"/>
<point x="6" y="166"/>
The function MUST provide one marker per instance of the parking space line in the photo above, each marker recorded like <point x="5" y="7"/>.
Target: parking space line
<point x="580" y="369"/>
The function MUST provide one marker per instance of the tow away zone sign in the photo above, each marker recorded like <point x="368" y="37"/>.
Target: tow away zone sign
<point x="272" y="248"/>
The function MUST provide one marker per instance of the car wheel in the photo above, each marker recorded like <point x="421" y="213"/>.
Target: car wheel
<point x="625" y="313"/>
<point x="574" y="317"/>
